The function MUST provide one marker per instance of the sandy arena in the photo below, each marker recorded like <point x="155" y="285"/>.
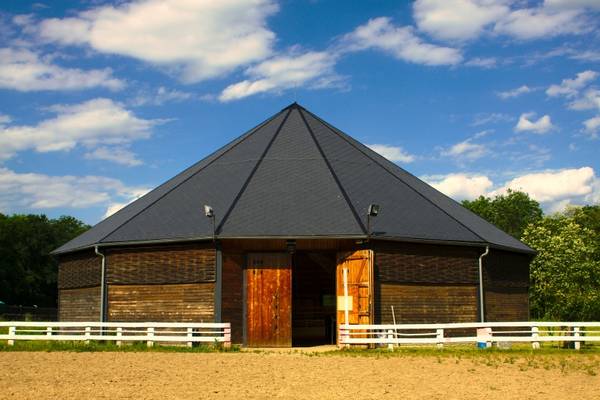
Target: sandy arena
<point x="153" y="375"/>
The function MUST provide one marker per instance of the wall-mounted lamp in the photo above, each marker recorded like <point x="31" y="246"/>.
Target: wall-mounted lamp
<point x="209" y="212"/>
<point x="372" y="211"/>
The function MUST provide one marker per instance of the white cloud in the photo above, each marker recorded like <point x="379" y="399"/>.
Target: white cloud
<point x="118" y="155"/>
<point x="554" y="189"/>
<point x="31" y="191"/>
<point x="490" y="118"/>
<point x="94" y="122"/>
<point x="588" y="101"/>
<point x="468" y="19"/>
<point x="161" y="96"/>
<point x="392" y="153"/>
<point x="460" y="186"/>
<point x="196" y="40"/>
<point x="457" y="19"/>
<point x="312" y="69"/>
<point x="466" y="151"/>
<point x="401" y="42"/>
<point x="541" y="126"/>
<point x="541" y="22"/>
<point x="571" y="87"/>
<point x="486" y="62"/>
<point x="592" y="126"/>
<point x="554" y="185"/>
<point x="514" y="92"/>
<point x="576" y="4"/>
<point x="4" y="119"/>
<point x="24" y="70"/>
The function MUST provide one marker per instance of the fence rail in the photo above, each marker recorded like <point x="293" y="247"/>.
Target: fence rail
<point x="481" y="332"/>
<point x="119" y="332"/>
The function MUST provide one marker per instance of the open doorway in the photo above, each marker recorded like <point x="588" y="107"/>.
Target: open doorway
<point x="313" y="298"/>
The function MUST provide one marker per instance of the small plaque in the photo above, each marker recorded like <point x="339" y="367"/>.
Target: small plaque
<point x="344" y="305"/>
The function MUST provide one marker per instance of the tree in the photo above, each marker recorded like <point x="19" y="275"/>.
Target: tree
<point x="511" y="212"/>
<point x="565" y="274"/>
<point x="27" y="270"/>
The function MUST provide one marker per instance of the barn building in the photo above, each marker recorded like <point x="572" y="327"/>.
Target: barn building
<point x="292" y="204"/>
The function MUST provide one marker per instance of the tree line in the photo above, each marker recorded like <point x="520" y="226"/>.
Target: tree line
<point x="564" y="275"/>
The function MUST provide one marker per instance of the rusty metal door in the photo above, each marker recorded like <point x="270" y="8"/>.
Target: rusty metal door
<point x="269" y="300"/>
<point x="359" y="265"/>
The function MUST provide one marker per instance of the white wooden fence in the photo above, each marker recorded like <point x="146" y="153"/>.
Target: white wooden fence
<point x="485" y="332"/>
<point x="119" y="332"/>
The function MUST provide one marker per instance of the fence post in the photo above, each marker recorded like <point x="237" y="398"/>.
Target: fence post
<point x="119" y="334"/>
<point x="344" y="335"/>
<point x="189" y="335"/>
<point x="535" y="333"/>
<point x="88" y="332"/>
<point x="12" y="330"/>
<point x="390" y="336"/>
<point x="227" y="336"/>
<point x="49" y="331"/>
<point x="439" y="333"/>
<point x="150" y="334"/>
<point x="576" y="334"/>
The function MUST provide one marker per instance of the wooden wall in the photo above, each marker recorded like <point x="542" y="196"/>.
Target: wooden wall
<point x="232" y="298"/>
<point x="79" y="287"/>
<point x="506" y="283"/>
<point x="166" y="283"/>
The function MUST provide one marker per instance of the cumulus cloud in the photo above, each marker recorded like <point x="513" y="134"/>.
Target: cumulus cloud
<point x="117" y="155"/>
<point x="588" y="101"/>
<point x="466" y="151"/>
<point x="401" y="42"/>
<point x="571" y="87"/>
<point x="554" y="189"/>
<point x="514" y="92"/>
<point x="485" y="62"/>
<point x="392" y="153"/>
<point x="311" y="69"/>
<point x="527" y="124"/>
<point x="196" y="40"/>
<point x="459" y="20"/>
<point x="94" y="122"/>
<point x="32" y="191"/>
<point x="25" y="70"/>
<point x="591" y="126"/>
<point x="460" y="186"/>
<point x="160" y="96"/>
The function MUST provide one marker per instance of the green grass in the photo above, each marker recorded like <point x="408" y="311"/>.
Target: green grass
<point x="93" y="346"/>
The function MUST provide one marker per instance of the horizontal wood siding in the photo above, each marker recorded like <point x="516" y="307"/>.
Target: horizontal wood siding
<point x="507" y="304"/>
<point x="232" y="306"/>
<point x="192" y="263"/>
<point x="79" y="304"/>
<point x="416" y="304"/>
<point x="161" y="303"/>
<point x="79" y="270"/>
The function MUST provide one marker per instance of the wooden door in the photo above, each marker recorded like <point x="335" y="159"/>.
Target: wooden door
<point x="360" y="287"/>
<point x="269" y="300"/>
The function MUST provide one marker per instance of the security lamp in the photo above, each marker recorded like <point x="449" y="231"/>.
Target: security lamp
<point x="208" y="211"/>
<point x="373" y="210"/>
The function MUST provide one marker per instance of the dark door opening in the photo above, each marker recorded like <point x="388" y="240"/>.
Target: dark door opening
<point x="313" y="298"/>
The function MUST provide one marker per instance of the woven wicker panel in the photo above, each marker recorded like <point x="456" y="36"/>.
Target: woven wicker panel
<point x="79" y="270"/>
<point x="161" y="265"/>
<point x="426" y="264"/>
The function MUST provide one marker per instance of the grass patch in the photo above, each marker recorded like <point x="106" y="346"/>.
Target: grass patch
<point x="93" y="346"/>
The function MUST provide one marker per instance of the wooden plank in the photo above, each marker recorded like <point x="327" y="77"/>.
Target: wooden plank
<point x="360" y="288"/>
<point x="269" y="300"/>
<point x="79" y="304"/>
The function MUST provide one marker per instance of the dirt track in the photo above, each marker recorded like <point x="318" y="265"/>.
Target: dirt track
<point x="33" y="375"/>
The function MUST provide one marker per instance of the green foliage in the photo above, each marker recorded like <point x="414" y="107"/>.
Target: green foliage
<point x="565" y="274"/>
<point x="27" y="271"/>
<point x="511" y="212"/>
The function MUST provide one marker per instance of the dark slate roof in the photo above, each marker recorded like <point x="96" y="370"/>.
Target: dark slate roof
<point x="294" y="176"/>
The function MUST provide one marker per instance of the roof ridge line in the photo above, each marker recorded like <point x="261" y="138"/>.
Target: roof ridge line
<point x="245" y="185"/>
<point x="334" y="130"/>
<point x="334" y="175"/>
<point x="248" y="134"/>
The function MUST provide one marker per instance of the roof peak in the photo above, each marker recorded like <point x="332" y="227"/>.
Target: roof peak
<point x="292" y="106"/>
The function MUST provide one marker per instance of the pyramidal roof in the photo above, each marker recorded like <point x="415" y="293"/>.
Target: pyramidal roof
<point x="294" y="176"/>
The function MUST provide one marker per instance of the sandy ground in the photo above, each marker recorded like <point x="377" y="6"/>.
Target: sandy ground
<point x="65" y="375"/>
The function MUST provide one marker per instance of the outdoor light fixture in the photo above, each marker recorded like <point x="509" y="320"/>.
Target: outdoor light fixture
<point x="208" y="211"/>
<point x="372" y="211"/>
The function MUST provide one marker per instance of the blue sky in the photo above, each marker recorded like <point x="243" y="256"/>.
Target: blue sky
<point x="101" y="101"/>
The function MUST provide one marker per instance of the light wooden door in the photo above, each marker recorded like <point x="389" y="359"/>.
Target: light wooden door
<point x="359" y="265"/>
<point x="269" y="300"/>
